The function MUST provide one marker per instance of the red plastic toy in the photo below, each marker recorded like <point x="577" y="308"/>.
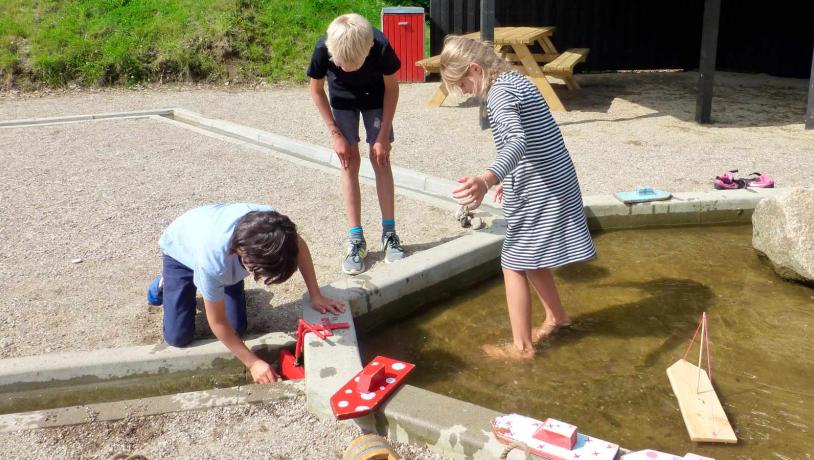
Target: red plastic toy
<point x="370" y="387"/>
<point x="290" y="367"/>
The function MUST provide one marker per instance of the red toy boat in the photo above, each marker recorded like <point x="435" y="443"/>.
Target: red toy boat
<point x="290" y="367"/>
<point x="369" y="388"/>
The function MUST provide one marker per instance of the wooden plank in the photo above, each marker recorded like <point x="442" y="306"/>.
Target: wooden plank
<point x="702" y="411"/>
<point x="810" y="109"/>
<point x="706" y="67"/>
<point x="565" y="62"/>
<point x="431" y="64"/>
<point x="471" y="15"/>
<point x="537" y="57"/>
<point x="536" y="74"/>
<point x="509" y="35"/>
<point x="439" y="96"/>
<point x="571" y="83"/>
<point x="547" y="45"/>
<point x="458" y="17"/>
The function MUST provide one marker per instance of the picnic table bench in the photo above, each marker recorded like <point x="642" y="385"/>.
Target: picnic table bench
<point x="512" y="43"/>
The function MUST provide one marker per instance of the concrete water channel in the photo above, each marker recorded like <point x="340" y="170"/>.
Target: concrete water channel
<point x="35" y="385"/>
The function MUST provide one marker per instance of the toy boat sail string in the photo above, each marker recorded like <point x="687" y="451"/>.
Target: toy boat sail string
<point x="700" y="407"/>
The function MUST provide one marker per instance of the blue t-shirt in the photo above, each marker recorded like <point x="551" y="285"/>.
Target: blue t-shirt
<point x="199" y="239"/>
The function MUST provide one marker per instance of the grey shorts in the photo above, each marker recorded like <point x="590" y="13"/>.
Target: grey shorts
<point x="348" y="123"/>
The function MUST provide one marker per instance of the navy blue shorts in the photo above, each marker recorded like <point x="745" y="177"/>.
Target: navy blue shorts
<point x="348" y="123"/>
<point x="179" y="304"/>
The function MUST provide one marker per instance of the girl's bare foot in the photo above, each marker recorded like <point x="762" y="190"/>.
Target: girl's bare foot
<point x="547" y="329"/>
<point x="507" y="351"/>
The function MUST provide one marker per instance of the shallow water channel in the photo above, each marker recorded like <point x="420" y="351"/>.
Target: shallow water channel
<point x="635" y="309"/>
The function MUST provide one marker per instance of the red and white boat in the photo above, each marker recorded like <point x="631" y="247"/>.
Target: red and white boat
<point x="552" y="438"/>
<point x="370" y="387"/>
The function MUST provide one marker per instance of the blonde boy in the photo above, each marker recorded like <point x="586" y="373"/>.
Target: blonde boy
<point x="361" y="67"/>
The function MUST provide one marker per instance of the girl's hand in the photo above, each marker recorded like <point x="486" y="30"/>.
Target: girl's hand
<point x="498" y="194"/>
<point x="471" y="192"/>
<point x="325" y="304"/>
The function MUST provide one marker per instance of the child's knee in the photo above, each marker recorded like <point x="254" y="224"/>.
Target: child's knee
<point x="378" y="168"/>
<point x="353" y="160"/>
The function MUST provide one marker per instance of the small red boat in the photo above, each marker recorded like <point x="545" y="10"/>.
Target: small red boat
<point x="370" y="387"/>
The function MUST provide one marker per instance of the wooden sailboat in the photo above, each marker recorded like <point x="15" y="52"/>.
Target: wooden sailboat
<point x="703" y="414"/>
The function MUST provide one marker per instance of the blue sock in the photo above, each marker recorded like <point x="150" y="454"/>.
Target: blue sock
<point x="388" y="226"/>
<point x="356" y="233"/>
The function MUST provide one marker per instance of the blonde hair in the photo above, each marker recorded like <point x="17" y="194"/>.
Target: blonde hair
<point x="459" y="52"/>
<point x="349" y="40"/>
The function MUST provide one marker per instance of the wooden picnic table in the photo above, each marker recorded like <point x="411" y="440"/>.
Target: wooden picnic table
<point x="512" y="43"/>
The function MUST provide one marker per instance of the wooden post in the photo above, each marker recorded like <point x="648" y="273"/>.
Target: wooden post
<point x="487" y="34"/>
<point x="810" y="109"/>
<point x="706" y="67"/>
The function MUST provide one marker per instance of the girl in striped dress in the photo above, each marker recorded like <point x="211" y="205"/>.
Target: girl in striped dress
<point x="536" y="182"/>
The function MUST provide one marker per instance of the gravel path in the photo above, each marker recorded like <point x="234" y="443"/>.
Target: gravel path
<point x="280" y="430"/>
<point x="623" y="129"/>
<point x="103" y="192"/>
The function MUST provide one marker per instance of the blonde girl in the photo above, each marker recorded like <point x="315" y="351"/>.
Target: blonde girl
<point x="536" y="182"/>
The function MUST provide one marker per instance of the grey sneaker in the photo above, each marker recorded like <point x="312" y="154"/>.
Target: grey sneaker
<point x="354" y="262"/>
<point x="392" y="248"/>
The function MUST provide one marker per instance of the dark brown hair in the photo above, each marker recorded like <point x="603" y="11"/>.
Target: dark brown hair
<point x="268" y="244"/>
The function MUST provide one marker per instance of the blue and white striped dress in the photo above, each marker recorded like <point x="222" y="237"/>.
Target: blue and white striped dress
<point x="542" y="202"/>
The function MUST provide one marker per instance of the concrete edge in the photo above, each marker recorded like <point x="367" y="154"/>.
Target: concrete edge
<point x="403" y="178"/>
<point x="180" y="402"/>
<point x="605" y="212"/>
<point x="79" y="118"/>
<point x="64" y="368"/>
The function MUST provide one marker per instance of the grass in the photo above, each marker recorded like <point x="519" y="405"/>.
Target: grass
<point x="122" y="42"/>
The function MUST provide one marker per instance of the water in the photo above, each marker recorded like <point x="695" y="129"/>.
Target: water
<point x="76" y="393"/>
<point x="635" y="309"/>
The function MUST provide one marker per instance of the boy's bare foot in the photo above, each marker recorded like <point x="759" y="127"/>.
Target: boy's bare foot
<point x="547" y="329"/>
<point x="507" y="351"/>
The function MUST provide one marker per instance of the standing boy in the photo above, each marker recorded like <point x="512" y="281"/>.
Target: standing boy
<point x="361" y="67"/>
<point x="212" y="249"/>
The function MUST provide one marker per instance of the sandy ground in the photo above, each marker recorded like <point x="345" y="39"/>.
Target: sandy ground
<point x="103" y="192"/>
<point x="622" y="129"/>
<point x="280" y="430"/>
<point x="74" y="191"/>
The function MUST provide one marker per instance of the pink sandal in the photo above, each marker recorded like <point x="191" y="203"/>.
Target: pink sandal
<point x="728" y="181"/>
<point x="759" y="181"/>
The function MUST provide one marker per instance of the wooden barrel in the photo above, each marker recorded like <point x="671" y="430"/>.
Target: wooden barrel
<point x="370" y="447"/>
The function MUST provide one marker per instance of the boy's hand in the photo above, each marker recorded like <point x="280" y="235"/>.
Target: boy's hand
<point x="323" y="304"/>
<point x="341" y="147"/>
<point x="381" y="152"/>
<point x="263" y="373"/>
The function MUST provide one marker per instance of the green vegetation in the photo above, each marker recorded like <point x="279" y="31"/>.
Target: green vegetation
<point x="120" y="42"/>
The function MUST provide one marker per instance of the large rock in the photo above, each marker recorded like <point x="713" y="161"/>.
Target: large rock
<point x="783" y="231"/>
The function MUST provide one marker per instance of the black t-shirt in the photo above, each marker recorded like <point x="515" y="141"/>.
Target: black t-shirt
<point x="362" y="89"/>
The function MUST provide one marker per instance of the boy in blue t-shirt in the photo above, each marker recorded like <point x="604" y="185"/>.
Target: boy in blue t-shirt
<point x="212" y="249"/>
<point x="361" y="67"/>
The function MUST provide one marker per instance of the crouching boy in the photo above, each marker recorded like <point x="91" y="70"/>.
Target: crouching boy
<point x="211" y="249"/>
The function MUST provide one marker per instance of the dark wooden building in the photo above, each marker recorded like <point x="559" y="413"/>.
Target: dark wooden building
<point x="776" y="38"/>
